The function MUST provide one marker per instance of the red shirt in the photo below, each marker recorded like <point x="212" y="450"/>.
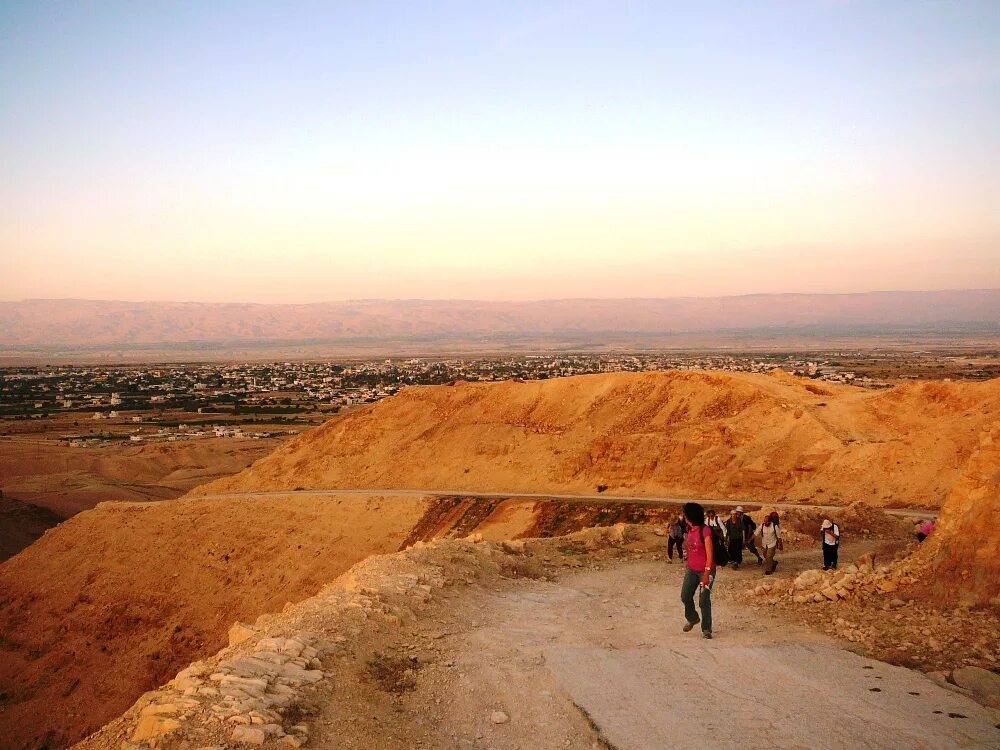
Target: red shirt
<point x="696" y="552"/>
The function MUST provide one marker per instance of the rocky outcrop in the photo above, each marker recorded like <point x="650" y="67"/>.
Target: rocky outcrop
<point x="965" y="546"/>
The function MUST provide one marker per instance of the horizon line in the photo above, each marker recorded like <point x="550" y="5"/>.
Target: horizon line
<point x="500" y="301"/>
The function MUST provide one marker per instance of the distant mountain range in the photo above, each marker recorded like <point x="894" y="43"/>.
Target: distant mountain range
<point x="93" y="323"/>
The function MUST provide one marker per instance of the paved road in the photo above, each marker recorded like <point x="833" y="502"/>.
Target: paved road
<point x="606" y="498"/>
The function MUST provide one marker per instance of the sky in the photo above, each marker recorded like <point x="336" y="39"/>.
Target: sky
<point x="299" y="152"/>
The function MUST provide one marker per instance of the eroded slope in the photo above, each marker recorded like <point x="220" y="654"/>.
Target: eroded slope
<point x="767" y="437"/>
<point x="118" y="598"/>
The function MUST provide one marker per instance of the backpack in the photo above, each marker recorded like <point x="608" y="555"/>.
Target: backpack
<point x="720" y="550"/>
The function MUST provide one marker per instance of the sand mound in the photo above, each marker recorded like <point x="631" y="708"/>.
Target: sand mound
<point x="722" y="435"/>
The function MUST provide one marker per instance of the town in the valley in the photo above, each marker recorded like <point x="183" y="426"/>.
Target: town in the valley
<point x="105" y="404"/>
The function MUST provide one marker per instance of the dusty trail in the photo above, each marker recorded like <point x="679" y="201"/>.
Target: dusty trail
<point x="609" y="643"/>
<point x="560" y="643"/>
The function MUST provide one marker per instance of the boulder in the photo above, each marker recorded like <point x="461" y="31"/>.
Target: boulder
<point x="154" y="726"/>
<point x="239" y="632"/>
<point x="982" y="682"/>
<point x="249" y="735"/>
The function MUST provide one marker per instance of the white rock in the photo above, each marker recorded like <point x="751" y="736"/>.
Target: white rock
<point x="499" y="717"/>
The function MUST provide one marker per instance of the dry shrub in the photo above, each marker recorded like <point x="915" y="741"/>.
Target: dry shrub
<point x="394" y="673"/>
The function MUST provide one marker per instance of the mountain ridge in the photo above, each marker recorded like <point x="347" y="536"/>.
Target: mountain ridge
<point x="47" y="322"/>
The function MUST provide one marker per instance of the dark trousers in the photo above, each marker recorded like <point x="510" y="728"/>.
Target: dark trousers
<point x="752" y="546"/>
<point x="692" y="581"/>
<point x="736" y="551"/>
<point x="830" y="555"/>
<point x="679" y="544"/>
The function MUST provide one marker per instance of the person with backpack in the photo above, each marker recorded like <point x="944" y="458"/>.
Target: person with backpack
<point x="830" y="536"/>
<point x="734" y="532"/>
<point x="699" y="575"/>
<point x="675" y="538"/>
<point x="715" y="523"/>
<point x="749" y="529"/>
<point x="770" y="539"/>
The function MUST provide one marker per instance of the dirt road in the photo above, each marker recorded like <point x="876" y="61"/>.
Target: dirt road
<point x="609" y="642"/>
<point x="566" y="644"/>
<point x="635" y="499"/>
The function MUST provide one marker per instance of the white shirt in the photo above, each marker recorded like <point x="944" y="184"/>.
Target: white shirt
<point x="717" y="523"/>
<point x="769" y="535"/>
<point x="831" y="535"/>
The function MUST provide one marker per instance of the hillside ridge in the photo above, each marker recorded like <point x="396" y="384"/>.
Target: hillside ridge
<point x="704" y="434"/>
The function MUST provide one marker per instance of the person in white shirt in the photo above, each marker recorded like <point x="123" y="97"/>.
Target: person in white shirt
<point x="830" y="533"/>
<point x="711" y="519"/>
<point x="770" y="538"/>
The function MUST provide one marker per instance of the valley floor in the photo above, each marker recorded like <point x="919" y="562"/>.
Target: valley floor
<point x="562" y="643"/>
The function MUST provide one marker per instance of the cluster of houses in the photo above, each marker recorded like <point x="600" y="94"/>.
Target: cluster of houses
<point x="298" y="387"/>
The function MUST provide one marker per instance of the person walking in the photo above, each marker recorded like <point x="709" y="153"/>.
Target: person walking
<point x="749" y="529"/>
<point x="925" y="530"/>
<point x="699" y="575"/>
<point x="675" y="538"/>
<point x="770" y="539"/>
<point x="830" y="533"/>
<point x="714" y="522"/>
<point x="734" y="532"/>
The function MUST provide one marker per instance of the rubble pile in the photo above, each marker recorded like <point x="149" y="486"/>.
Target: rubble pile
<point x="859" y="580"/>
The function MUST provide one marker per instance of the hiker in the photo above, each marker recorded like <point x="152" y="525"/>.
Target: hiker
<point x="700" y="572"/>
<point x="770" y="539"/>
<point x="714" y="522"/>
<point x="925" y="530"/>
<point x="734" y="531"/>
<point x="675" y="538"/>
<point x="749" y="527"/>
<point x="830" y="535"/>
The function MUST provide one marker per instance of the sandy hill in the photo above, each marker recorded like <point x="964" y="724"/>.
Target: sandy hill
<point x="702" y="434"/>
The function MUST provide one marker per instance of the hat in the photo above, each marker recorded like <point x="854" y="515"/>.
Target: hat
<point x="826" y="524"/>
<point x="733" y="512"/>
<point x="738" y="509"/>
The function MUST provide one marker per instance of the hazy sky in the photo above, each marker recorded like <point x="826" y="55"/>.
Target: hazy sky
<point x="303" y="152"/>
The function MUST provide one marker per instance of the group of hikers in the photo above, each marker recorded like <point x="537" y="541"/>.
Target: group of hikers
<point x="708" y="542"/>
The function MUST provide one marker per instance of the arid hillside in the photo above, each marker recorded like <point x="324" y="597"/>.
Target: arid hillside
<point x="701" y="434"/>
<point x="66" y="480"/>
<point x="117" y="599"/>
